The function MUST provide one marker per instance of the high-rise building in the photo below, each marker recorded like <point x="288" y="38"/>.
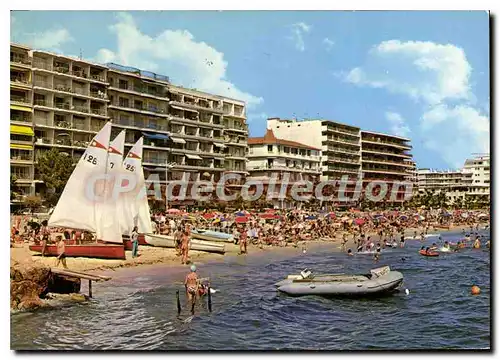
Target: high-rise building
<point x="21" y="121"/>
<point x="478" y="169"/>
<point x="199" y="135"/>
<point x="349" y="151"/>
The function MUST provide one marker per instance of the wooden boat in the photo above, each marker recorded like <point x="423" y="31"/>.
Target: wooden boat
<point x="127" y="243"/>
<point x="196" y="244"/>
<point x="210" y="235"/>
<point x="378" y="281"/>
<point x="94" y="250"/>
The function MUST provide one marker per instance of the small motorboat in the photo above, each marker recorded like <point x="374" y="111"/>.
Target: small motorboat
<point x="195" y="244"/>
<point x="210" y="235"/>
<point x="379" y="281"/>
<point x="428" y="253"/>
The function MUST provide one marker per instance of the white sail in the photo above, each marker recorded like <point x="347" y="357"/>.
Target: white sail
<point x="108" y="228"/>
<point x="136" y="202"/>
<point x="76" y="207"/>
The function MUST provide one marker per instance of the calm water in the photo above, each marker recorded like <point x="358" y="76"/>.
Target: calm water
<point x="137" y="308"/>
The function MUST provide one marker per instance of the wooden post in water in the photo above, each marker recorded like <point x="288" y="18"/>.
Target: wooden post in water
<point x="209" y="299"/>
<point x="90" y="288"/>
<point x="178" y="303"/>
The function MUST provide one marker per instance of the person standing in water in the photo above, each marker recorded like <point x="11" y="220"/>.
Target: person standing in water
<point x="243" y="240"/>
<point x="191" y="284"/>
<point x="135" y="241"/>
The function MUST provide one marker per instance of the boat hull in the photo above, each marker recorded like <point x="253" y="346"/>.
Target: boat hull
<point x="352" y="285"/>
<point x="127" y="243"/>
<point x="210" y="235"/>
<point x="98" y="251"/>
<point x="199" y="245"/>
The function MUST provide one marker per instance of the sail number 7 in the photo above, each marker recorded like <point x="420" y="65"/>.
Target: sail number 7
<point x="91" y="159"/>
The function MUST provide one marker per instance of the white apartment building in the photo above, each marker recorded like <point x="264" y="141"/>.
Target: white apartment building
<point x="270" y="157"/>
<point x="479" y="169"/>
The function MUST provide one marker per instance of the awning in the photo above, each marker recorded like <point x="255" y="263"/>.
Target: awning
<point x="156" y="136"/>
<point x="193" y="157"/>
<point x="178" y="140"/>
<point x="21" y="108"/>
<point x="21" y="130"/>
<point x="21" y="147"/>
<point x="219" y="145"/>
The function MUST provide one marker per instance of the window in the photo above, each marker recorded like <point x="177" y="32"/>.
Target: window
<point x="123" y="102"/>
<point x="269" y="148"/>
<point x="123" y="84"/>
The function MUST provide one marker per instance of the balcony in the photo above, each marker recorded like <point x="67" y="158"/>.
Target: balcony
<point x="340" y="150"/>
<point x="16" y="118"/>
<point x="19" y="100"/>
<point x="383" y="170"/>
<point x="365" y="149"/>
<point x="195" y="106"/>
<point x="346" y="160"/>
<point x="21" y="158"/>
<point x="340" y="169"/>
<point x="340" y="130"/>
<point x="234" y="127"/>
<point x="20" y="81"/>
<point x="153" y="110"/>
<point x="236" y="114"/>
<point x="342" y="140"/>
<point x="386" y="142"/>
<point x="41" y="64"/>
<point x="140" y="90"/>
<point x="384" y="161"/>
<point x="17" y="59"/>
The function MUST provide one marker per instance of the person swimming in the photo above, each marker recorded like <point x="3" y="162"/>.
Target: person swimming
<point x="349" y="252"/>
<point x="446" y="245"/>
<point x="477" y="243"/>
<point x="433" y="246"/>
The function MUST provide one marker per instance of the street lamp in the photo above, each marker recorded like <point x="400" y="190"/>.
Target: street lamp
<point x="167" y="166"/>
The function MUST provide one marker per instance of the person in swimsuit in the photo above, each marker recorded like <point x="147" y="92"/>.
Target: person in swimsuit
<point x="191" y="284"/>
<point x="61" y="253"/>
<point x="243" y="240"/>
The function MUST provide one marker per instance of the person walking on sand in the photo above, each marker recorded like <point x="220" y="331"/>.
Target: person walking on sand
<point x="185" y="246"/>
<point x="61" y="252"/>
<point x="135" y="241"/>
<point x="243" y="240"/>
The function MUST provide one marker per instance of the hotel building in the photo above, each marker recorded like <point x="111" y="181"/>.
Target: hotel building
<point x="270" y="157"/>
<point x="348" y="150"/>
<point x="67" y="100"/>
<point x="21" y="121"/>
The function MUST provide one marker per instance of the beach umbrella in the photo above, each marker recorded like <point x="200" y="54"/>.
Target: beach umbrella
<point x="403" y="217"/>
<point x="359" y="221"/>
<point x="240" y="213"/>
<point x="310" y="217"/>
<point x="482" y="216"/>
<point x="241" y="219"/>
<point x="378" y="215"/>
<point x="173" y="211"/>
<point x="208" y="216"/>
<point x="464" y="215"/>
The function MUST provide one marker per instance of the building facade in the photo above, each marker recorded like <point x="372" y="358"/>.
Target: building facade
<point x="61" y="102"/>
<point x="349" y="151"/>
<point x="478" y="168"/>
<point x="284" y="160"/>
<point x="21" y="122"/>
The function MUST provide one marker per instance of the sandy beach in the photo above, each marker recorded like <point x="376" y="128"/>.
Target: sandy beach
<point x="22" y="257"/>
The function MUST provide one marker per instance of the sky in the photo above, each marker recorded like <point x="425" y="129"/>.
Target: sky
<point x="421" y="75"/>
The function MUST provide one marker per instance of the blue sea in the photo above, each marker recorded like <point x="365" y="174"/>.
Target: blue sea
<point x="136" y="309"/>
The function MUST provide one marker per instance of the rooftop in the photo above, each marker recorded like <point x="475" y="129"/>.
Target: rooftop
<point x="270" y="139"/>
<point x="381" y="134"/>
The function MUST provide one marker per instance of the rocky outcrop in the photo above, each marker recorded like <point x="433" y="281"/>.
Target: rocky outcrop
<point x="29" y="284"/>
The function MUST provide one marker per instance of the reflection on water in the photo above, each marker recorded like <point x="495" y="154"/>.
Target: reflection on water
<point x="137" y="308"/>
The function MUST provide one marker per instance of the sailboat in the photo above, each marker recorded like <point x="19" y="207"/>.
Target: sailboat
<point x="82" y="206"/>
<point x="135" y="207"/>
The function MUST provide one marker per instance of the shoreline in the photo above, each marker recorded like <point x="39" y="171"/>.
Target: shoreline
<point x="22" y="257"/>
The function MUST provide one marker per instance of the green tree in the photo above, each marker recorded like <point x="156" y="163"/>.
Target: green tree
<point x="33" y="202"/>
<point x="13" y="187"/>
<point x="54" y="168"/>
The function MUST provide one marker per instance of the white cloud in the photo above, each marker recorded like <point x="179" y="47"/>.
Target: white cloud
<point x="398" y="124"/>
<point x="456" y="132"/>
<point x="422" y="70"/>
<point x="437" y="77"/>
<point x="298" y="31"/>
<point x="47" y="40"/>
<point x="328" y="43"/>
<point x="174" y="53"/>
